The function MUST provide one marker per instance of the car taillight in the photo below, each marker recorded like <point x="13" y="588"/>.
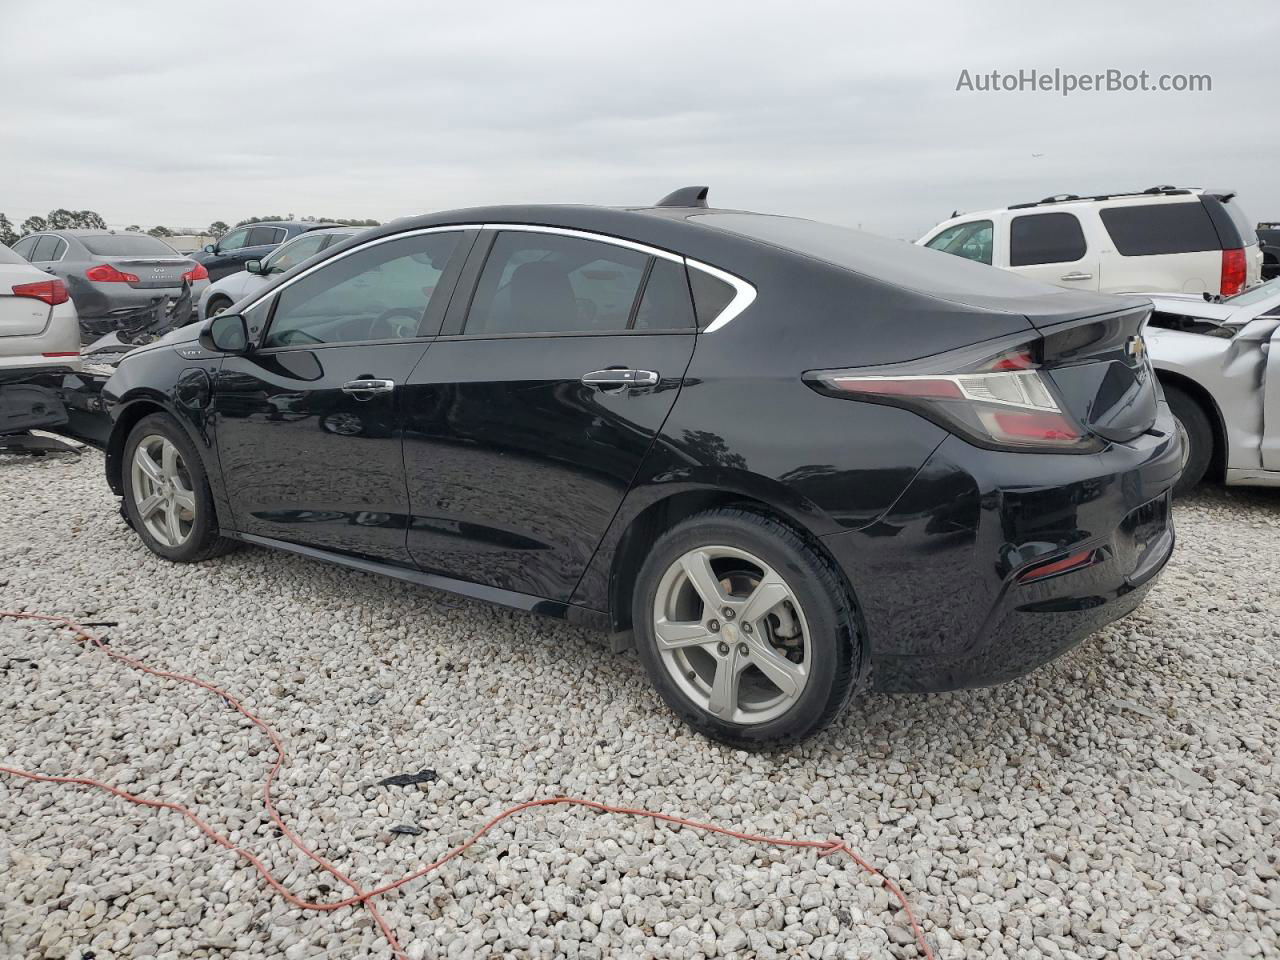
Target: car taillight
<point x="52" y="292"/>
<point x="1235" y="272"/>
<point x="106" y="273"/>
<point x="1002" y="402"/>
<point x="198" y="272"/>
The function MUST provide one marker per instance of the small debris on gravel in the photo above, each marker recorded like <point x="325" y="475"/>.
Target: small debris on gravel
<point x="409" y="779"/>
<point x="1121" y="802"/>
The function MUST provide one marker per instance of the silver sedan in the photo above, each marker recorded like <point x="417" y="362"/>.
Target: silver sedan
<point x="1219" y="363"/>
<point x="223" y="293"/>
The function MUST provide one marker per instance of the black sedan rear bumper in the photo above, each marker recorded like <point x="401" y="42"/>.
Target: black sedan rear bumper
<point x="962" y="544"/>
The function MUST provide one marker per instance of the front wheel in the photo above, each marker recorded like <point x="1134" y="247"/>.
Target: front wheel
<point x="1196" y="434"/>
<point x="216" y="306"/>
<point x="746" y="631"/>
<point x="166" y="492"/>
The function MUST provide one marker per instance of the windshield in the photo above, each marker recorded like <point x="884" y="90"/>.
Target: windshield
<point x="127" y="245"/>
<point x="1255" y="295"/>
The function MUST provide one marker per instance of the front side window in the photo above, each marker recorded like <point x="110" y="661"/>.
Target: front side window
<point x="233" y="241"/>
<point x="970" y="240"/>
<point x="378" y="293"/>
<point x="1045" y="238"/>
<point x="545" y="283"/>
<point x="1144" y="230"/>
<point x="293" y="253"/>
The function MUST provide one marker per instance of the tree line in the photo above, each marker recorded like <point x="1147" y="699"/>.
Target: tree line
<point x="63" y="219"/>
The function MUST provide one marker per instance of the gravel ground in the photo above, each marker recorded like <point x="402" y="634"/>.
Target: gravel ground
<point x="1120" y="802"/>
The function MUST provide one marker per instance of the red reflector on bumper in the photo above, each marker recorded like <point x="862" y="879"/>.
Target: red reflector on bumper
<point x="1075" y="561"/>
<point x="64" y="353"/>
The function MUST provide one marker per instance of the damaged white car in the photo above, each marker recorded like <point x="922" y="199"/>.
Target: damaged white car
<point x="1218" y="360"/>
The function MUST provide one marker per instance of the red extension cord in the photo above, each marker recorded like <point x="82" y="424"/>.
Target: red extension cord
<point x="359" y="896"/>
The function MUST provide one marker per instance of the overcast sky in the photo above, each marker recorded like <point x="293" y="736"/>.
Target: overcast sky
<point x="180" y="114"/>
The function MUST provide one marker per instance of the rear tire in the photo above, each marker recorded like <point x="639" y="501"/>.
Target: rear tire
<point x="167" y="499"/>
<point x="1197" y="434"/>
<point x="786" y="630"/>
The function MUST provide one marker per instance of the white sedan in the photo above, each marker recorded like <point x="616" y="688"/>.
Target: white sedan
<point x="39" y="342"/>
<point x="39" y="330"/>
<point x="231" y="288"/>
<point x="1218" y="360"/>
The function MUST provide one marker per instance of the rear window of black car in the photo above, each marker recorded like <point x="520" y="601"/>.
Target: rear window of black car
<point x="1045" y="238"/>
<point x="1145" y="230"/>
<point x="127" y="245"/>
<point x="898" y="262"/>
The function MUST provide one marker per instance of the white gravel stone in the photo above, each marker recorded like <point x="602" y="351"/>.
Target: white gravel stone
<point x="1121" y="802"/>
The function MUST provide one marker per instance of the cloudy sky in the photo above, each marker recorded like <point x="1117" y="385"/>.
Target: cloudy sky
<point x="179" y="114"/>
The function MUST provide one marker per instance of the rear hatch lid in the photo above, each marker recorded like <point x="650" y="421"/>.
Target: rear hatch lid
<point x="1099" y="365"/>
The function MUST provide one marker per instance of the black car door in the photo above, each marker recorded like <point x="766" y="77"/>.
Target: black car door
<point x="527" y="420"/>
<point x="307" y="423"/>
<point x="223" y="260"/>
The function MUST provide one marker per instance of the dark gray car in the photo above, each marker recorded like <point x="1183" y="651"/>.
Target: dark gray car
<point x="111" y="275"/>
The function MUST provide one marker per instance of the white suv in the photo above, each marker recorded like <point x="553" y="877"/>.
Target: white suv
<point x="1162" y="239"/>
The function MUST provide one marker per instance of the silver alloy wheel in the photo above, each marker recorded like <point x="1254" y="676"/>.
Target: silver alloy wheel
<point x="732" y="635"/>
<point x="162" y="491"/>
<point x="1184" y="438"/>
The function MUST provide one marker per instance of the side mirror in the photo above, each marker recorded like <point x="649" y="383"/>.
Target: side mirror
<point x="210" y="248"/>
<point x="226" y="333"/>
<point x="253" y="266"/>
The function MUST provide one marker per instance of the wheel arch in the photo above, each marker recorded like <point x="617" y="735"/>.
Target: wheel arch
<point x="644" y="529"/>
<point x="1197" y="392"/>
<point x="130" y="412"/>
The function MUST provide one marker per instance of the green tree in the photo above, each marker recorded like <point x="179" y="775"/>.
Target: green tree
<point x="89" y="220"/>
<point x="159" y="231"/>
<point x="61" y="219"/>
<point x="133" y="228"/>
<point x="8" y="236"/>
<point x="34" y="225"/>
<point x="217" y="229"/>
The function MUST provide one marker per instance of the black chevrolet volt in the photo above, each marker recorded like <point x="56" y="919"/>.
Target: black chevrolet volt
<point x="784" y="460"/>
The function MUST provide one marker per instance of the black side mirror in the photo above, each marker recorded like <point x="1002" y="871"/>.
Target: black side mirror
<point x="210" y="248"/>
<point x="253" y="266"/>
<point x="226" y="333"/>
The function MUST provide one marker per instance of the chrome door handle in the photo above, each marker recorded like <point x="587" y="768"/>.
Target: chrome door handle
<point x="366" y="389"/>
<point x="614" y="379"/>
<point x="1076" y="276"/>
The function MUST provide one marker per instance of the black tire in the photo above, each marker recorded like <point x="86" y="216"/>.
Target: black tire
<point x="836" y="648"/>
<point x="1198" y="435"/>
<point x="203" y="540"/>
<point x="215" y="306"/>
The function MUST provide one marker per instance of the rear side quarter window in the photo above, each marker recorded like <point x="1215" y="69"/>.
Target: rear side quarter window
<point x="1145" y="230"/>
<point x="1045" y="238"/>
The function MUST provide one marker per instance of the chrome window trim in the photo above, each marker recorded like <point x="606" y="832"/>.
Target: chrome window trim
<point x="346" y="253"/>
<point x="587" y="235"/>
<point x="744" y="294"/>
